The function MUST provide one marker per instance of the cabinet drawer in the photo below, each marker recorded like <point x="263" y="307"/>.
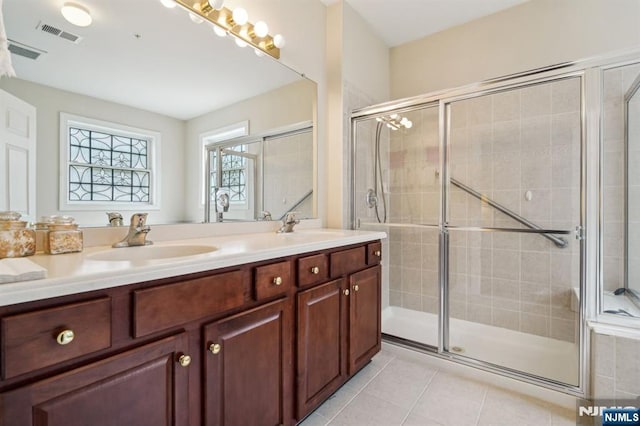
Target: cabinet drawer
<point x="312" y="270"/>
<point x="272" y="280"/>
<point x="374" y="253"/>
<point x="35" y="339"/>
<point x="345" y="261"/>
<point x="166" y="306"/>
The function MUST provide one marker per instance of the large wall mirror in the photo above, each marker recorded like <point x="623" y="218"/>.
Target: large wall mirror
<point x="632" y="154"/>
<point x="140" y="70"/>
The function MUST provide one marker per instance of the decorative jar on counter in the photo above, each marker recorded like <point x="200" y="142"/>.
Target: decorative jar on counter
<point x="16" y="238"/>
<point x="62" y="235"/>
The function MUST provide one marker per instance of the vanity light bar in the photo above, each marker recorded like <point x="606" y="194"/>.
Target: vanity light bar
<point x="223" y="18"/>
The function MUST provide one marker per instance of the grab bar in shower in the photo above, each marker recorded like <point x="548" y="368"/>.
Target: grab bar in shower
<point x="297" y="203"/>
<point x="558" y="241"/>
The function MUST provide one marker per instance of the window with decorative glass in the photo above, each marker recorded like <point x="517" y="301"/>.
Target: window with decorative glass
<point x="233" y="173"/>
<point x="107" y="164"/>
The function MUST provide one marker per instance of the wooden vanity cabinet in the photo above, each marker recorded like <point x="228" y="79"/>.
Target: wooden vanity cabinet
<point x="339" y="327"/>
<point x="143" y="386"/>
<point x="364" y="317"/>
<point x="321" y="343"/>
<point x="248" y="368"/>
<point x="256" y="344"/>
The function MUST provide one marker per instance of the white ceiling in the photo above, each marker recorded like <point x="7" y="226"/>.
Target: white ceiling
<point x="141" y="54"/>
<point x="400" y="21"/>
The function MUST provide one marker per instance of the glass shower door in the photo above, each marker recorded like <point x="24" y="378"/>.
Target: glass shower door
<point x="513" y="204"/>
<point x="397" y="190"/>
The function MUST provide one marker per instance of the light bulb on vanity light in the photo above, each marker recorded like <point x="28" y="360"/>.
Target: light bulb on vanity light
<point x="220" y="32"/>
<point x="169" y="4"/>
<point x="258" y="53"/>
<point x="239" y="41"/>
<point x="76" y="14"/>
<point x="240" y="16"/>
<point x="261" y="29"/>
<point x="278" y="41"/>
<point x="216" y="4"/>
<point x="195" y="18"/>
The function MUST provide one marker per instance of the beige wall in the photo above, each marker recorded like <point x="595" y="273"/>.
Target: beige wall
<point x="49" y="102"/>
<point x="358" y="76"/>
<point x="532" y="35"/>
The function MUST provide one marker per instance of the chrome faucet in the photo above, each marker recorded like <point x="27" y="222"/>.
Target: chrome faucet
<point x="265" y="215"/>
<point x="138" y="230"/>
<point x="115" y="219"/>
<point x="222" y="202"/>
<point x="288" y="223"/>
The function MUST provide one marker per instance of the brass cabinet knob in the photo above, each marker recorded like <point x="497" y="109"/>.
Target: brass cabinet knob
<point x="215" y="348"/>
<point x="356" y="287"/>
<point x="65" y="337"/>
<point x="184" y="360"/>
<point x="378" y="253"/>
<point x="346" y="292"/>
<point x="315" y="270"/>
<point x="277" y="280"/>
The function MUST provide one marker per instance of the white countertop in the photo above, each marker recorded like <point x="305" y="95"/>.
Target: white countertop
<point x="77" y="272"/>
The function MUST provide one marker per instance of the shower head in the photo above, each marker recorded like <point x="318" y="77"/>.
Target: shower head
<point x="395" y="121"/>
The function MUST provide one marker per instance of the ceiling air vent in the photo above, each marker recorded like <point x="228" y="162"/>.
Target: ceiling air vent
<point x="50" y="29"/>
<point x="24" y="50"/>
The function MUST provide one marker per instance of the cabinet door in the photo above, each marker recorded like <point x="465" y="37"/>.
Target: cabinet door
<point x="322" y="343"/>
<point x="248" y="367"/>
<point x="144" y="386"/>
<point x="364" y="317"/>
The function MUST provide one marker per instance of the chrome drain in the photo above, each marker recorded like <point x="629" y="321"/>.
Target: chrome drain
<point x="458" y="349"/>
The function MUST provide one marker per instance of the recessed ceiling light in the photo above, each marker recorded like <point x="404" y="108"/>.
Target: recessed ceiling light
<point x="76" y="14"/>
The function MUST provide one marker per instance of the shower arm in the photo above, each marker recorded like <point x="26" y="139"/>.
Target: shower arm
<point x="558" y="241"/>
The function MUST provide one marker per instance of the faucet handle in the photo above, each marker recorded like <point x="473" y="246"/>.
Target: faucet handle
<point x="290" y="217"/>
<point x="139" y="219"/>
<point x="115" y="219"/>
<point x="266" y="215"/>
<point x="222" y="200"/>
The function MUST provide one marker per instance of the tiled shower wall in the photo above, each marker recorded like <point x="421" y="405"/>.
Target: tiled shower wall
<point x="506" y="145"/>
<point x="615" y="368"/>
<point x="287" y="178"/>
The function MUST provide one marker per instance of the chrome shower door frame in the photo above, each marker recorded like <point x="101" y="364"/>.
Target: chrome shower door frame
<point x="444" y="99"/>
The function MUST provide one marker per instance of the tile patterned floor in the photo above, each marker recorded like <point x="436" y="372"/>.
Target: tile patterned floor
<point x="403" y="387"/>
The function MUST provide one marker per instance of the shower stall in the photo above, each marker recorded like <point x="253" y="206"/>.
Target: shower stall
<point x="480" y="191"/>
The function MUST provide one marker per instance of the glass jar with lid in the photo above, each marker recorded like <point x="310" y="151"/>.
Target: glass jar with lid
<point x="62" y="235"/>
<point x="17" y="239"/>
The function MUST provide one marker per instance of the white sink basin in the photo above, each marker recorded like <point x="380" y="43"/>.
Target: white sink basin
<point x="150" y="252"/>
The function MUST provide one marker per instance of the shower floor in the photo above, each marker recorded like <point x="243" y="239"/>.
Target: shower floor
<point x="541" y="356"/>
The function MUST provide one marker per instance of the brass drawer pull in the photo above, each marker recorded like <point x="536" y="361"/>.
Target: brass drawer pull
<point x="277" y="280"/>
<point x="184" y="360"/>
<point x="346" y="292"/>
<point x="356" y="287"/>
<point x="65" y="337"/>
<point x="215" y="348"/>
<point x="315" y="270"/>
<point x="377" y="253"/>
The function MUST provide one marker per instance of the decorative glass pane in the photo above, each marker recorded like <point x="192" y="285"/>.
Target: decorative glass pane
<point x="122" y="167"/>
<point x="101" y="192"/>
<point x="100" y="157"/>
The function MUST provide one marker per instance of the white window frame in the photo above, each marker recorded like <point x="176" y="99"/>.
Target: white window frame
<point x="221" y="134"/>
<point x="153" y="158"/>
